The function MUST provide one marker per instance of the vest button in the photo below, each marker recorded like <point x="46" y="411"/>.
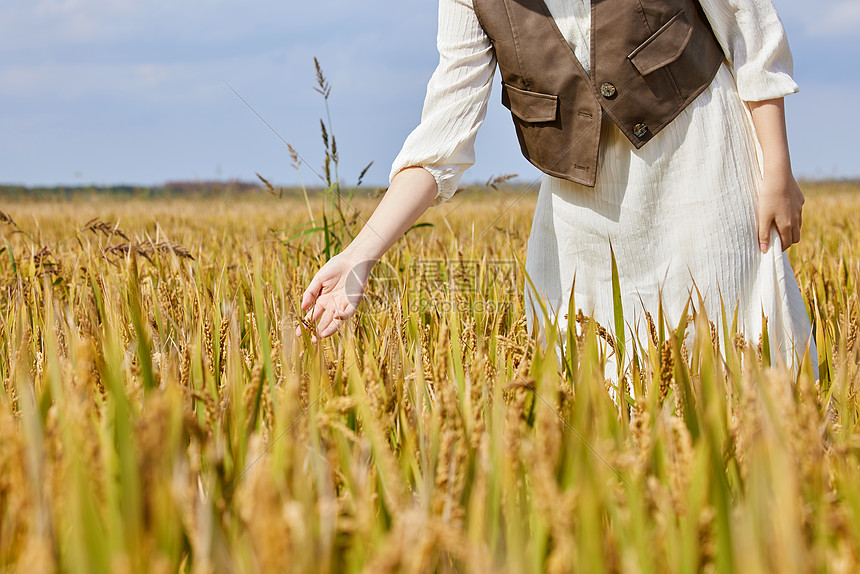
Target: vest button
<point x="607" y="90"/>
<point x="640" y="130"/>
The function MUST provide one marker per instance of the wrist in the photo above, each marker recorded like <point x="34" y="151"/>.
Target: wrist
<point x="778" y="170"/>
<point x="358" y="252"/>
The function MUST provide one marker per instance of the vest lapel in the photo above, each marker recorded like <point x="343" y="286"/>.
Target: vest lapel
<point x="540" y="7"/>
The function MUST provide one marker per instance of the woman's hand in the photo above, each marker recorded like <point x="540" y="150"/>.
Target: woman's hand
<point x="780" y="202"/>
<point x="338" y="287"/>
<point x="334" y="293"/>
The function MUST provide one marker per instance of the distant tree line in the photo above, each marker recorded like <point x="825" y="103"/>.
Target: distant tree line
<point x="207" y="189"/>
<point x="170" y="189"/>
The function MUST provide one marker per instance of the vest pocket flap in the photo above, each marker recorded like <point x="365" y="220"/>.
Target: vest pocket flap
<point x="664" y="46"/>
<point x="530" y="106"/>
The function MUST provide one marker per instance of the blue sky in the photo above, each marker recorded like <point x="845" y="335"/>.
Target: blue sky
<point x="121" y="91"/>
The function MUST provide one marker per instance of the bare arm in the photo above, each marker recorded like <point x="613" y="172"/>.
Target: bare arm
<point x="336" y="290"/>
<point x="411" y="192"/>
<point x="780" y="198"/>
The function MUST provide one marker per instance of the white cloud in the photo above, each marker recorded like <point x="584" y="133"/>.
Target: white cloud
<point x="823" y="18"/>
<point x="28" y="26"/>
<point x="63" y="84"/>
<point x="841" y="18"/>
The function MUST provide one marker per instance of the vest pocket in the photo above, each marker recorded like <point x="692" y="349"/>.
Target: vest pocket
<point x="664" y="46"/>
<point x="532" y="107"/>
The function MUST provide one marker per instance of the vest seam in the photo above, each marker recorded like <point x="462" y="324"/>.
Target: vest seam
<point x="591" y="50"/>
<point x="515" y="36"/>
<point x="675" y="87"/>
<point x="641" y="10"/>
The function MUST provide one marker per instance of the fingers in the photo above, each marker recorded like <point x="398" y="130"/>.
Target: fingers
<point x="345" y="312"/>
<point x="785" y="237"/>
<point x="788" y="230"/>
<point x="331" y="328"/>
<point x="328" y="323"/>
<point x="311" y="298"/>
<point x="328" y="300"/>
<point x="764" y="225"/>
<point x="789" y="234"/>
<point x="325" y="322"/>
<point x="312" y="316"/>
<point x="315" y="321"/>
<point x="798" y="227"/>
<point x="326" y="317"/>
<point x="311" y="292"/>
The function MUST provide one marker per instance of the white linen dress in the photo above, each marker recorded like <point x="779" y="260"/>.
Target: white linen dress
<point x="679" y="212"/>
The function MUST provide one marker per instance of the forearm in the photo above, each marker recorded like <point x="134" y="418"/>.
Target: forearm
<point x="411" y="193"/>
<point x="769" y="121"/>
<point x="780" y="200"/>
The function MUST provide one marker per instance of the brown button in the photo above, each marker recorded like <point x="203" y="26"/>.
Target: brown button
<point x="607" y="90"/>
<point x="640" y="130"/>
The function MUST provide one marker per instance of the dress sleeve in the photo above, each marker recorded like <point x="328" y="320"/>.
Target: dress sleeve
<point x="754" y="41"/>
<point x="456" y="100"/>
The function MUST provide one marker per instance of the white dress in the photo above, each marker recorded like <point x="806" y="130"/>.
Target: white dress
<point x="679" y="212"/>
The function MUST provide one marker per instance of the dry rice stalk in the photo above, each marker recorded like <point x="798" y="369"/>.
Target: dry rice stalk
<point x="652" y="329"/>
<point x="667" y="368"/>
<point x="7" y="220"/>
<point x="252" y="389"/>
<point x="185" y="366"/>
<point x="451" y="462"/>
<point x="208" y="345"/>
<point x="97" y="226"/>
<point x="147" y="250"/>
<point x="640" y="427"/>
<point x="602" y="332"/>
<point x="680" y="458"/>
<point x="222" y="338"/>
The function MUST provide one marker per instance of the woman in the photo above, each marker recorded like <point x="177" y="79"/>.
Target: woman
<point x="699" y="200"/>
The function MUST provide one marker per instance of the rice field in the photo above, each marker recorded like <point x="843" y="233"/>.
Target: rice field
<point x="158" y="413"/>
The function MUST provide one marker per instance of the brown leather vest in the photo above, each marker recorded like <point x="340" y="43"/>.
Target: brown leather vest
<point x="649" y="59"/>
